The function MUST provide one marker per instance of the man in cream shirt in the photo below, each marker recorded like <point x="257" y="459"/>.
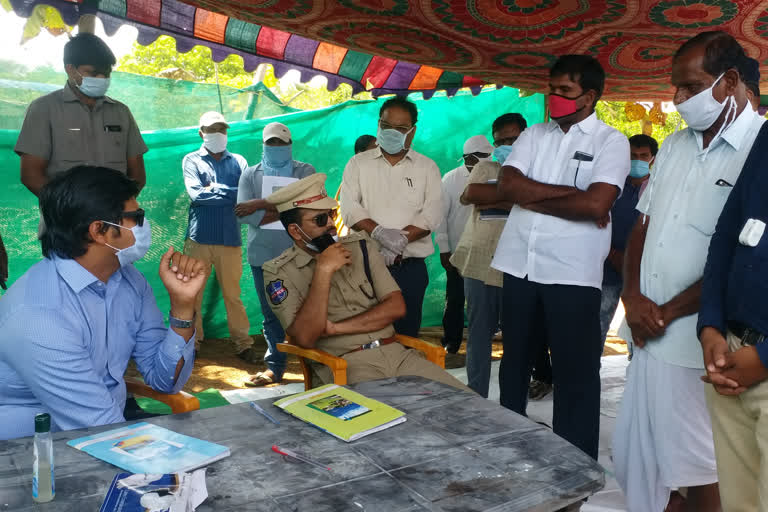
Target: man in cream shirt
<point x="395" y="194"/>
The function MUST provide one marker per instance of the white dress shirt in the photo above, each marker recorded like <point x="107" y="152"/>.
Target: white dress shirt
<point x="455" y="214"/>
<point x="683" y="201"/>
<point x="548" y="249"/>
<point x="394" y="196"/>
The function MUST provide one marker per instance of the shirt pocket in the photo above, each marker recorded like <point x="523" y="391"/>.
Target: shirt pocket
<point x="413" y="190"/>
<point x="115" y="145"/>
<point x="69" y="145"/>
<point x="706" y="206"/>
<point x="579" y="174"/>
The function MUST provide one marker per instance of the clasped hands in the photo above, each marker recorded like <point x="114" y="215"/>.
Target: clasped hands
<point x="393" y="242"/>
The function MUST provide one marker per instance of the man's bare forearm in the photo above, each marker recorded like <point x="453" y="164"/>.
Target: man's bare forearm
<point x="383" y="314"/>
<point x="367" y="225"/>
<point x="270" y="216"/>
<point x="311" y="319"/>
<point x="683" y="304"/>
<point x="592" y="204"/>
<point x="633" y="256"/>
<point x="415" y="232"/>
<point x="480" y="194"/>
<point x="515" y="187"/>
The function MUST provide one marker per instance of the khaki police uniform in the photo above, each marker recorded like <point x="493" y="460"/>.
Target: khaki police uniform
<point x="61" y="129"/>
<point x="287" y="279"/>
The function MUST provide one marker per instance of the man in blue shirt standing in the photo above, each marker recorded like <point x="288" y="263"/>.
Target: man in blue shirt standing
<point x="642" y="151"/>
<point x="211" y="175"/>
<point x="266" y="237"/>
<point x="732" y="328"/>
<point x="74" y="320"/>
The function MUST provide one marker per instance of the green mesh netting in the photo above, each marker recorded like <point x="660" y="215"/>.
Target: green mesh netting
<point x="323" y="137"/>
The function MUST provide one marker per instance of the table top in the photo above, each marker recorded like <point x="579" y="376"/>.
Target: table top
<point x="456" y="452"/>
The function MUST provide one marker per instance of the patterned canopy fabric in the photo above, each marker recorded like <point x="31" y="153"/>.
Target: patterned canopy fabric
<point x="397" y="46"/>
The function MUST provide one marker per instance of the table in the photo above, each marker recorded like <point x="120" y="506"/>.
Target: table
<point x="456" y="452"/>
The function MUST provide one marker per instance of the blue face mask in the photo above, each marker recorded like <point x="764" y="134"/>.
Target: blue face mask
<point x="278" y="160"/>
<point x="391" y="141"/>
<point x="142" y="236"/>
<point x="501" y="153"/>
<point x="93" y="87"/>
<point x="639" y="168"/>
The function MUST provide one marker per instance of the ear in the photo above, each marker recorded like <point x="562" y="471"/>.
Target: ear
<point x="95" y="233"/>
<point x="293" y="232"/>
<point x="200" y="133"/>
<point x="731" y="79"/>
<point x="592" y="98"/>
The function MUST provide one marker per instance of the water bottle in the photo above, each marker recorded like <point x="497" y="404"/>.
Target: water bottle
<point x="43" y="489"/>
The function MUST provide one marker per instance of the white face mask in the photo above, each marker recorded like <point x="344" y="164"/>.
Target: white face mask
<point x="215" y="142"/>
<point x="702" y="110"/>
<point x="142" y="236"/>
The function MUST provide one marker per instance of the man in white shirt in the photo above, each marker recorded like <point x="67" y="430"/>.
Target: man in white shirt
<point x="563" y="177"/>
<point x="455" y="214"/>
<point x="395" y="194"/>
<point x="663" y="438"/>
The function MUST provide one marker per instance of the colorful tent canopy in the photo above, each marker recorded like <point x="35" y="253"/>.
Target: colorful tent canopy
<point x="423" y="45"/>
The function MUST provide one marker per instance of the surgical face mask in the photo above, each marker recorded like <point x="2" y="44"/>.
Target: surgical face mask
<point x="92" y="86"/>
<point x="702" y="110"/>
<point x="391" y="141"/>
<point x="319" y="243"/>
<point x="501" y="153"/>
<point x="142" y="240"/>
<point x="561" y="106"/>
<point x="278" y="160"/>
<point x="639" y="168"/>
<point x="215" y="142"/>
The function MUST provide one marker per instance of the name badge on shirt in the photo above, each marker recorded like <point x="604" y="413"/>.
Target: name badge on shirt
<point x="113" y="128"/>
<point x="752" y="232"/>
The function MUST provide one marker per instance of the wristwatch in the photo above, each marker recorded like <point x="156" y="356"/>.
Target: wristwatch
<point x="179" y="323"/>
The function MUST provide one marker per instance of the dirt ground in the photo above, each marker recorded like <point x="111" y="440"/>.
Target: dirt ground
<point x="217" y="366"/>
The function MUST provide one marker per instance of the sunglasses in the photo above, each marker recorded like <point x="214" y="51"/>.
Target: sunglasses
<point x="321" y="220"/>
<point x="137" y="215"/>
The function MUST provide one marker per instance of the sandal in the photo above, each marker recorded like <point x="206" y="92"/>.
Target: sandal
<point x="260" y="379"/>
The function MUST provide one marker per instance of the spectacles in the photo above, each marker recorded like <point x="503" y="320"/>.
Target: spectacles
<point x="402" y="129"/>
<point x="137" y="215"/>
<point x="506" y="141"/>
<point x="477" y="155"/>
<point x="321" y="220"/>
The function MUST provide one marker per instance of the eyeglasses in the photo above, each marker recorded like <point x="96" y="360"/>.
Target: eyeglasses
<point x="402" y="129"/>
<point x="506" y="141"/>
<point x="321" y="220"/>
<point x="477" y="155"/>
<point x="137" y="215"/>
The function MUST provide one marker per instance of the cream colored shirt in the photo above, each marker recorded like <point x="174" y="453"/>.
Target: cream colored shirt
<point x="472" y="256"/>
<point x="394" y="196"/>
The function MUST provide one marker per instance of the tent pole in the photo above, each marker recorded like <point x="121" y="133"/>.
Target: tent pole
<point x="86" y="24"/>
<point x="218" y="87"/>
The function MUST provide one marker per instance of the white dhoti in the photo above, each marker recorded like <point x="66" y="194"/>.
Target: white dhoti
<point x="663" y="438"/>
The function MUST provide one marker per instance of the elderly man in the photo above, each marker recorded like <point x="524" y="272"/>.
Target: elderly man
<point x="750" y="75"/>
<point x="394" y="194"/>
<point x="79" y="124"/>
<point x="563" y="177"/>
<point x="266" y="239"/>
<point x="455" y="214"/>
<point x="337" y="295"/>
<point x="74" y="320"/>
<point x="211" y="175"/>
<point x="663" y="437"/>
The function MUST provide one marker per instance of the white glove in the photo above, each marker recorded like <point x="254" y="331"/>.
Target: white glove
<point x="389" y="256"/>
<point x="393" y="239"/>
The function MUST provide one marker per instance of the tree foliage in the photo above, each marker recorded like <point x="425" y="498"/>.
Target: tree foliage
<point x="612" y="113"/>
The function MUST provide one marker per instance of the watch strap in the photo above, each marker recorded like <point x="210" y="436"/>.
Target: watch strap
<point x="179" y="323"/>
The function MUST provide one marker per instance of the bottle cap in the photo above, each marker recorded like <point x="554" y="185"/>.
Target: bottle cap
<point x="42" y="422"/>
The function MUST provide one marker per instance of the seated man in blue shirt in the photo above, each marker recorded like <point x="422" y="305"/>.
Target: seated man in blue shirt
<point x="73" y="321"/>
<point x="732" y="327"/>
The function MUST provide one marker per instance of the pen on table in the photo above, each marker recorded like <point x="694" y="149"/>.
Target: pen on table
<point x="264" y="413"/>
<point x="417" y="393"/>
<point x="294" y="455"/>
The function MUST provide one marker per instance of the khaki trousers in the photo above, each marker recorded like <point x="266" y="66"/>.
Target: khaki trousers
<point x="740" y="430"/>
<point x="229" y="269"/>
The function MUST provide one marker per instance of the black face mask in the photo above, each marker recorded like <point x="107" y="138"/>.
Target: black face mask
<point x="323" y="242"/>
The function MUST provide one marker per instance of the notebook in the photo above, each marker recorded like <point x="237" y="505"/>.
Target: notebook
<point x="147" y="448"/>
<point x="341" y="412"/>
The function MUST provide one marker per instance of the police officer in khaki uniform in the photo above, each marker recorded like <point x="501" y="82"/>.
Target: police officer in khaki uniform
<point x="79" y="125"/>
<point x="338" y="296"/>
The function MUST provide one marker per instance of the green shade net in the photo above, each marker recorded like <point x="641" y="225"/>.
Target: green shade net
<point x="324" y="138"/>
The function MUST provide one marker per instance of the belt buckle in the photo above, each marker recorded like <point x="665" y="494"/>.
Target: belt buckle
<point x="373" y="344"/>
<point x="752" y="337"/>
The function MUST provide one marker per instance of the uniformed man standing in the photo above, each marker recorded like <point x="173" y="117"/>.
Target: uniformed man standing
<point x="338" y="296"/>
<point x="79" y="125"/>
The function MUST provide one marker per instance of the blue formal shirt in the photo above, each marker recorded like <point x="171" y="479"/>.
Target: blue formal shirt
<point x="264" y="244"/>
<point x="212" y="186"/>
<point x="735" y="287"/>
<point x="623" y="216"/>
<point x="66" y="341"/>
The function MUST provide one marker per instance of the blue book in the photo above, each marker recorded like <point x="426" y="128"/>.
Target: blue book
<point x="126" y="497"/>
<point x="147" y="448"/>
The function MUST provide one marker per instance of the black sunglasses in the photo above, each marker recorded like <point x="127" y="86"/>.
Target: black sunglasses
<point x="321" y="220"/>
<point x="137" y="215"/>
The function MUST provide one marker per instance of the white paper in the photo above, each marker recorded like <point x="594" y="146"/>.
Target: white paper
<point x="269" y="185"/>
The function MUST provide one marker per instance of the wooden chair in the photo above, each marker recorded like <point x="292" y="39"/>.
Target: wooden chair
<point x="338" y="365"/>
<point x="179" y="402"/>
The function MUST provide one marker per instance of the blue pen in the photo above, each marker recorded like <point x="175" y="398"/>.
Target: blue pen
<point x="264" y="413"/>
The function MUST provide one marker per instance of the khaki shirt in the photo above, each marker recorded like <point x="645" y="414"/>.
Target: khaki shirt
<point x="472" y="257"/>
<point x="287" y="279"/>
<point x="64" y="131"/>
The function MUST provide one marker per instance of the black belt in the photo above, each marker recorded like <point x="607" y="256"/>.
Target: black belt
<point x="747" y="335"/>
<point x="401" y="262"/>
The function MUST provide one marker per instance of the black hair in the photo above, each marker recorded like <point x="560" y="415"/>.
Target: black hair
<point x="401" y="102"/>
<point x="644" y="141"/>
<point x="722" y="51"/>
<point x="289" y="217"/>
<point x="362" y="143"/>
<point x="509" y="118"/>
<point x="749" y="69"/>
<point x="587" y="69"/>
<point x="71" y="201"/>
<point x="88" y="49"/>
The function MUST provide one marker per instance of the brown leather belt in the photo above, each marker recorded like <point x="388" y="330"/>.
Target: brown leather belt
<point x="374" y="344"/>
